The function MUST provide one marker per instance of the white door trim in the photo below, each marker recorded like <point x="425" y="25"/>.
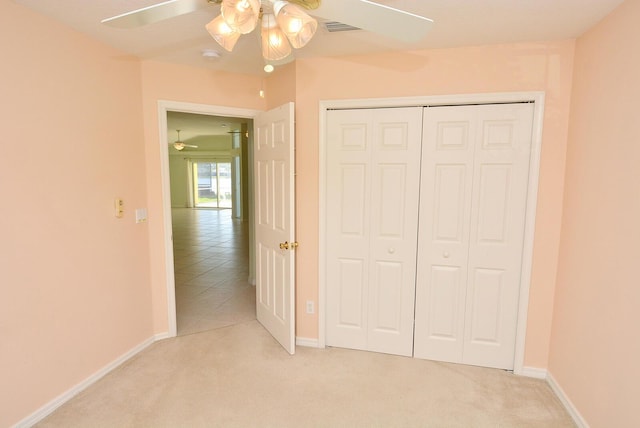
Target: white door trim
<point x="532" y="196"/>
<point x="163" y="108"/>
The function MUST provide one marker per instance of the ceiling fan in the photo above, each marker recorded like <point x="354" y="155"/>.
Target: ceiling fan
<point x="284" y="23"/>
<point x="179" y="145"/>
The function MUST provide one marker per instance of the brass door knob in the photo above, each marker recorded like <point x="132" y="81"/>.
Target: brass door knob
<point x="286" y="245"/>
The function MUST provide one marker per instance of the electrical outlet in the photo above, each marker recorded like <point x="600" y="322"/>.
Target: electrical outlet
<point x="310" y="308"/>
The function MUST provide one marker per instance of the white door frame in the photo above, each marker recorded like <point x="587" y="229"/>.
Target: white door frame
<point x="532" y="194"/>
<point x="163" y="108"/>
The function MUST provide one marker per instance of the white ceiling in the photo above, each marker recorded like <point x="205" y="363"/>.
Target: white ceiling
<point x="457" y="23"/>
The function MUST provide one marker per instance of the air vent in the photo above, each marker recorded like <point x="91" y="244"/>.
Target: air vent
<point x="335" y="27"/>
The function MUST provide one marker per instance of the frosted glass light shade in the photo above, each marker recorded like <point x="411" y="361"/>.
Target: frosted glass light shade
<point x="274" y="43"/>
<point x="295" y="23"/>
<point x="241" y="15"/>
<point x="222" y="33"/>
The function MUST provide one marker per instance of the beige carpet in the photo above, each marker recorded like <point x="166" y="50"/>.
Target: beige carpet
<point x="239" y="376"/>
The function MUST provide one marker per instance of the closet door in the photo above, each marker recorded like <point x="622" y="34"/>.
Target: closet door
<point x="373" y="178"/>
<point x="473" y="204"/>
<point x="449" y="140"/>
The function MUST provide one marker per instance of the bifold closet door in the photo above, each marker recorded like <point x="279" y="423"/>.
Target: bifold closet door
<point x="373" y="178"/>
<point x="475" y="166"/>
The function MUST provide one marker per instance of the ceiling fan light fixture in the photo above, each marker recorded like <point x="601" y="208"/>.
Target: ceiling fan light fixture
<point x="296" y="24"/>
<point x="178" y="146"/>
<point x="289" y="25"/>
<point x="241" y="15"/>
<point x="274" y="42"/>
<point x="223" y="33"/>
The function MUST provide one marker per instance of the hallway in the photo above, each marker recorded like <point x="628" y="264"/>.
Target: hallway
<point x="211" y="260"/>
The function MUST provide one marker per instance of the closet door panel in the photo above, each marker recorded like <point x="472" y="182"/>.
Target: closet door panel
<point x="387" y="298"/>
<point x="472" y="214"/>
<point x="348" y="227"/>
<point x="449" y="202"/>
<point x="445" y="208"/>
<point x="372" y="188"/>
<point x="439" y="326"/>
<point x="487" y="286"/>
<point x="394" y="228"/>
<point x="501" y="180"/>
<point x="350" y="289"/>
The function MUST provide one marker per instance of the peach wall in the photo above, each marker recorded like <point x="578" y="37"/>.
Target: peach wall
<point x="74" y="279"/>
<point x="171" y="82"/>
<point x="595" y="345"/>
<point x="522" y="67"/>
<point x="281" y="86"/>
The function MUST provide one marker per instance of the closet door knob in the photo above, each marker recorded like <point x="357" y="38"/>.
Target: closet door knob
<point x="391" y="250"/>
<point x="445" y="255"/>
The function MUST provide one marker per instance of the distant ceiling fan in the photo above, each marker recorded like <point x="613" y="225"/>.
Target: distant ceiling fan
<point x="283" y="20"/>
<point x="179" y="145"/>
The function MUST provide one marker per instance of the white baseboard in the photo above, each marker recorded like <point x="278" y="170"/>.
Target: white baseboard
<point x="309" y="343"/>
<point x="161" y="336"/>
<point x="544" y="374"/>
<point x="573" y="412"/>
<point x="533" y="372"/>
<point x="51" y="406"/>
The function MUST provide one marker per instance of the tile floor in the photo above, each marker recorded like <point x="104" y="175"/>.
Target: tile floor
<point x="211" y="261"/>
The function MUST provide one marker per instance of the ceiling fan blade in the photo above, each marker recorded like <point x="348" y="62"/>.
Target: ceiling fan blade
<point x="157" y="12"/>
<point x="377" y="18"/>
<point x="189" y="145"/>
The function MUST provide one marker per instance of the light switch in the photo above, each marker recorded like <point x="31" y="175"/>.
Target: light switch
<point x="119" y="207"/>
<point x="141" y="215"/>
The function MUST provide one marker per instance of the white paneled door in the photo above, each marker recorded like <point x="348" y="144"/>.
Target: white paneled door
<point x="475" y="166"/>
<point x="426" y="211"/>
<point x="372" y="219"/>
<point x="275" y="223"/>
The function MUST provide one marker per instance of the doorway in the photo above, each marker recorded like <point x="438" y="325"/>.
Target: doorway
<point x="210" y="246"/>
<point x="208" y="252"/>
